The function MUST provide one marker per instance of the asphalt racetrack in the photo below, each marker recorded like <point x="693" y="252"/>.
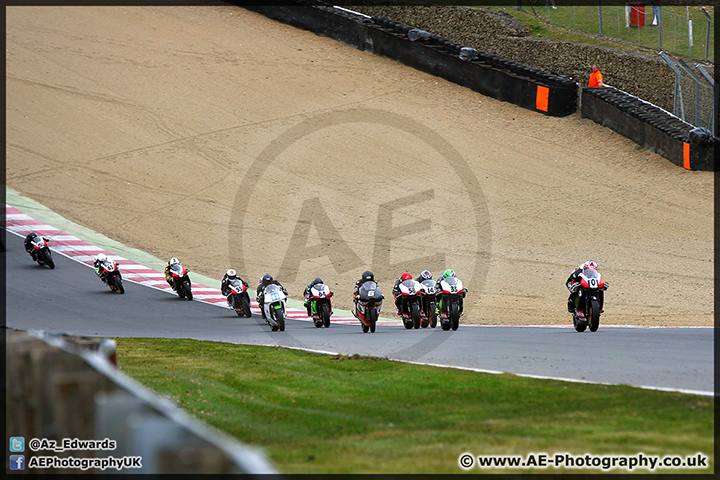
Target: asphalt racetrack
<point x="70" y="299"/>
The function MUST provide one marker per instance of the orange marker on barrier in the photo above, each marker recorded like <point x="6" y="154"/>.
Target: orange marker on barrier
<point x="541" y="100"/>
<point x="686" y="155"/>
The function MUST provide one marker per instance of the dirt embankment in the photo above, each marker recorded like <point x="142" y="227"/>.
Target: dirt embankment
<point x="228" y="140"/>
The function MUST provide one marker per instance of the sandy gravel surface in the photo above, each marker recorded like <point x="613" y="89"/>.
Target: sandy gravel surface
<point x="229" y="140"/>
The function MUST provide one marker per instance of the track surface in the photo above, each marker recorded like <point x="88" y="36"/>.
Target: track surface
<point x="229" y="140"/>
<point x="70" y="299"/>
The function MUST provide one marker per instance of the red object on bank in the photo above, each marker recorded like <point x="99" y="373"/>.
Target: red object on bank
<point x="637" y="14"/>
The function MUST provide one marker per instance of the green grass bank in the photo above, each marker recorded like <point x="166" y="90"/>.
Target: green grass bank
<point x="317" y="413"/>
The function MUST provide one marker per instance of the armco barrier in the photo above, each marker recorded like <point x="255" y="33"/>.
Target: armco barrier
<point x="63" y="387"/>
<point x="655" y="129"/>
<point x="489" y="75"/>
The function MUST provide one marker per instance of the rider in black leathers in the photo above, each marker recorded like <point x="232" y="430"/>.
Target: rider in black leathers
<point x="573" y="284"/>
<point x="266" y="280"/>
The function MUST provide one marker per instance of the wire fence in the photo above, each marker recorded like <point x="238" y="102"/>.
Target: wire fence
<point x="683" y="30"/>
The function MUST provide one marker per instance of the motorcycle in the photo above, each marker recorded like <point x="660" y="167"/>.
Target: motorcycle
<point x="369" y="303"/>
<point x="589" y="301"/>
<point x="238" y="298"/>
<point x="410" y="293"/>
<point x="320" y="305"/>
<point x="181" y="281"/>
<point x="111" y="276"/>
<point x="428" y="309"/>
<point x="41" y="252"/>
<point x="274" y="307"/>
<point x="449" y="300"/>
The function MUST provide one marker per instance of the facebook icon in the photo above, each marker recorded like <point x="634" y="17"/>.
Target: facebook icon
<point x="17" y="462"/>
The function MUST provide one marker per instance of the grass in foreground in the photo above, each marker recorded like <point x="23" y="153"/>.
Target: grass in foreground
<point x="337" y="414"/>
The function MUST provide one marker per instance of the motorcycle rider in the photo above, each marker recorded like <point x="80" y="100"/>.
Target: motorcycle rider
<point x="573" y="284"/>
<point x="438" y="288"/>
<point x="225" y="283"/>
<point x="306" y="295"/>
<point x="266" y="280"/>
<point x="168" y="276"/>
<point x="424" y="275"/>
<point x="367" y="276"/>
<point x="28" y="243"/>
<point x="101" y="259"/>
<point x="396" y="289"/>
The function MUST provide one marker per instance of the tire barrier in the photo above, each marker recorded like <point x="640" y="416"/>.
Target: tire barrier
<point x="652" y="127"/>
<point x="487" y="74"/>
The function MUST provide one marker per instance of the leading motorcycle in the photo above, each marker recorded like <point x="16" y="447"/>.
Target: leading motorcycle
<point x="238" y="298"/>
<point x="181" y="281"/>
<point x="320" y="304"/>
<point x="41" y="252"/>
<point x="409" y="293"/>
<point x="589" y="301"/>
<point x="274" y="307"/>
<point x="368" y="305"/>
<point x="428" y="308"/>
<point x="449" y="300"/>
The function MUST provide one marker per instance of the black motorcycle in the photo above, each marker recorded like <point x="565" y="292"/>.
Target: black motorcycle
<point x="181" y="281"/>
<point x="238" y="298"/>
<point x="40" y="252"/>
<point x="589" y="301"/>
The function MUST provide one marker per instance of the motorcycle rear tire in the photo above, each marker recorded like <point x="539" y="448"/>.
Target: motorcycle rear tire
<point x="446" y="326"/>
<point x="454" y="316"/>
<point x="433" y="315"/>
<point x="594" y="315"/>
<point x="415" y="315"/>
<point x="372" y="318"/>
<point x="365" y="328"/>
<point x="325" y="310"/>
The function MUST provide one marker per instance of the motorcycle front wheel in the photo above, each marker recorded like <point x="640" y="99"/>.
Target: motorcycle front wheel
<point x="48" y="259"/>
<point x="188" y="290"/>
<point x="372" y="318"/>
<point x="594" y="315"/>
<point x="325" y="310"/>
<point x="454" y="316"/>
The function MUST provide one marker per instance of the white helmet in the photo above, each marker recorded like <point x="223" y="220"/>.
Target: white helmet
<point x="231" y="273"/>
<point x="174" y="261"/>
<point x="101" y="257"/>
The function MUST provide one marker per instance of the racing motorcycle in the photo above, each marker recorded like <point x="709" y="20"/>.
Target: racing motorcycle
<point x="369" y="303"/>
<point x="111" y="276"/>
<point x="428" y="310"/>
<point x="41" y="252"/>
<point x="410" y="293"/>
<point x="588" y="301"/>
<point x="274" y="307"/>
<point x="238" y="298"/>
<point x="320" y="305"/>
<point x="181" y="281"/>
<point x="449" y="300"/>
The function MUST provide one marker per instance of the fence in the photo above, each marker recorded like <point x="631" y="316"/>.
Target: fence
<point x="682" y="30"/>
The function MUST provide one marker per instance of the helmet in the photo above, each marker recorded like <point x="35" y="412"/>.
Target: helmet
<point x="101" y="257"/>
<point x="426" y="275"/>
<point x="231" y="273"/>
<point x="267" y="278"/>
<point x="174" y="261"/>
<point x="32" y="235"/>
<point x="405" y="276"/>
<point x="591" y="265"/>
<point x="449" y="273"/>
<point x="368" y="275"/>
<point x="317" y="280"/>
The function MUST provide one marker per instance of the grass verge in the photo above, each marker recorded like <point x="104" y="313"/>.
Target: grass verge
<point x="317" y="413"/>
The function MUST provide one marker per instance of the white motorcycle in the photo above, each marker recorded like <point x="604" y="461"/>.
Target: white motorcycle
<point x="274" y="307"/>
